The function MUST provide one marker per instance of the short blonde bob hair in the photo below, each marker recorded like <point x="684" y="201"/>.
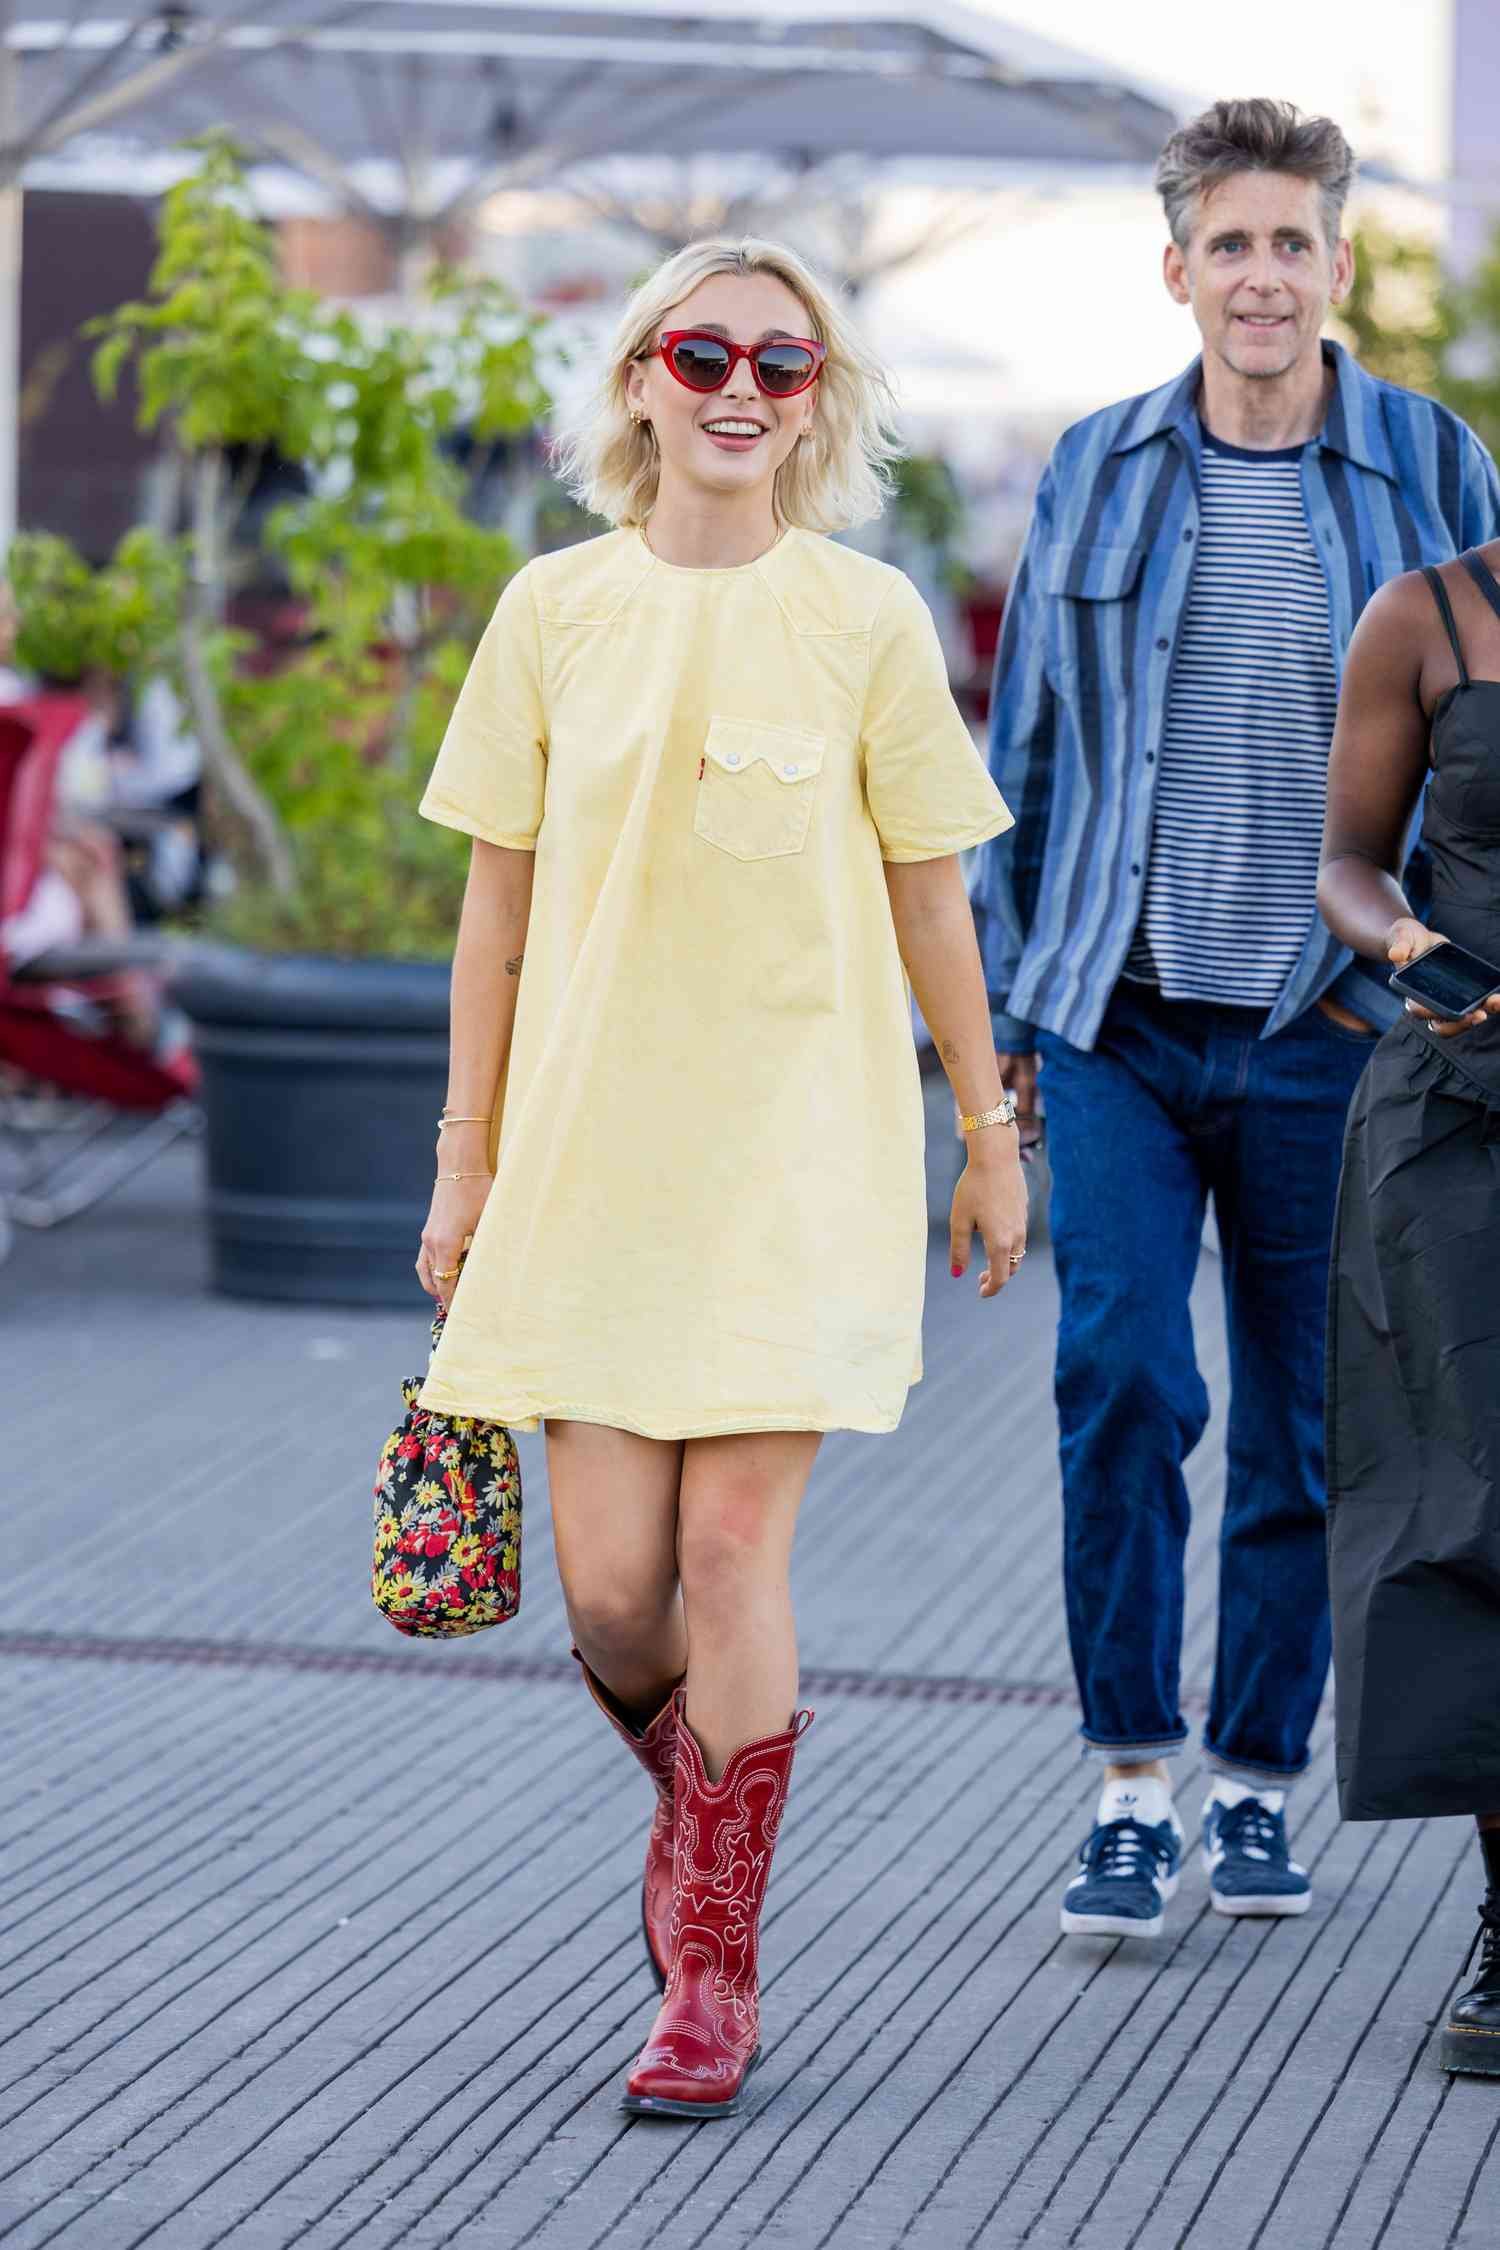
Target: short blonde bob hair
<point x="837" y="477"/>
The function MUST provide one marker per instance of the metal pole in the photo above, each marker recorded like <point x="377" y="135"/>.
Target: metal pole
<point x="1475" y="207"/>
<point x="10" y="284"/>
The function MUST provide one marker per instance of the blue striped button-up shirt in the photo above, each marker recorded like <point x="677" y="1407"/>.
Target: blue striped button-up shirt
<point x="1392" y="481"/>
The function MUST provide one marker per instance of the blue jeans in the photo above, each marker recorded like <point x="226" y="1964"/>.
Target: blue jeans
<point x="1179" y="1101"/>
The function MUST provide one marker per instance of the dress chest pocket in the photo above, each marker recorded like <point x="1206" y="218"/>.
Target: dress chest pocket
<point x="756" y="788"/>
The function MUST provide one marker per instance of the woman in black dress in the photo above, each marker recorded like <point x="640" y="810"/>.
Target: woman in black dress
<point x="1414" y="1341"/>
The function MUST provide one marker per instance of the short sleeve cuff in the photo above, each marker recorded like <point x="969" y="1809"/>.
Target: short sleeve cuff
<point x="908" y="853"/>
<point x="445" y="814"/>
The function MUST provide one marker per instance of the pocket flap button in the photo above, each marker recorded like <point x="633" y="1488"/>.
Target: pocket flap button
<point x="732" y="758"/>
<point x="789" y="770"/>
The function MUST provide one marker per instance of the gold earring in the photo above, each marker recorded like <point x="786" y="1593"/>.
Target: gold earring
<point x="637" y="416"/>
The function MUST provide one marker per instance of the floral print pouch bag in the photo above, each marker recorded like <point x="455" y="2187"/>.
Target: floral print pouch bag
<point x="447" y="1521"/>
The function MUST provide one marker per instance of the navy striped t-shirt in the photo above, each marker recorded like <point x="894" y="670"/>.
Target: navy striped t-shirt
<point x="1231" y="883"/>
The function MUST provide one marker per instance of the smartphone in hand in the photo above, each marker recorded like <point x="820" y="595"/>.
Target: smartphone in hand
<point x="1449" y="981"/>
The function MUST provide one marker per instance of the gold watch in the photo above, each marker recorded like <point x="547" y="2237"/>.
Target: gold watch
<point x="1004" y="1115"/>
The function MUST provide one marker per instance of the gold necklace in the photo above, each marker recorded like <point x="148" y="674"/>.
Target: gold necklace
<point x="776" y="542"/>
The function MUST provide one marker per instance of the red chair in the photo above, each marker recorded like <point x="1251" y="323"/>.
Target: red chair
<point x="80" y="1108"/>
<point x="983" y="608"/>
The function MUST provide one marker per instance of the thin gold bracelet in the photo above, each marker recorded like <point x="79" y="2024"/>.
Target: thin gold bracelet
<point x="466" y="1175"/>
<point x="445" y="1118"/>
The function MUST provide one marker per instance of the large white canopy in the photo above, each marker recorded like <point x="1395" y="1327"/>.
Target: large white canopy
<point x="460" y="99"/>
<point x="513" y="89"/>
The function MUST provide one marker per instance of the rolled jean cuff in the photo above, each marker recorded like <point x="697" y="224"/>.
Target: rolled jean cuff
<point x="1253" y="1777"/>
<point x="1131" y="1753"/>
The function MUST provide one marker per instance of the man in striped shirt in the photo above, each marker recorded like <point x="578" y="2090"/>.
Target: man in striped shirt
<point x="1164" y="704"/>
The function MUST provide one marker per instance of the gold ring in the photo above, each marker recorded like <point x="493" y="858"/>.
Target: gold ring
<point x="439" y="1274"/>
<point x="1017" y="1256"/>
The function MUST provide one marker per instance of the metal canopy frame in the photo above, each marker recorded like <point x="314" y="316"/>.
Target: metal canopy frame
<point x="465" y="99"/>
<point x="63" y="77"/>
<point x="512" y="93"/>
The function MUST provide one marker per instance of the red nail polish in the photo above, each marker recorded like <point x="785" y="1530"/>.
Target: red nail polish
<point x="958" y="1273"/>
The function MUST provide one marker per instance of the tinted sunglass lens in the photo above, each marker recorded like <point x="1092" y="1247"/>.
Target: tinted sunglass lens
<point x="701" y="362"/>
<point x="783" y="367"/>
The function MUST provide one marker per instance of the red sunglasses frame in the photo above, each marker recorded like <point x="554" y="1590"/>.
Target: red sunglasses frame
<point x="670" y="338"/>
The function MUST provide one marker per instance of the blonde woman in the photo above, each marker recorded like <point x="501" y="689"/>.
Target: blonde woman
<point x="717" y="786"/>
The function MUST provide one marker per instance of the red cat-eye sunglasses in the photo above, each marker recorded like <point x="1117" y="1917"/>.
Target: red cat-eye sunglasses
<point x="702" y="361"/>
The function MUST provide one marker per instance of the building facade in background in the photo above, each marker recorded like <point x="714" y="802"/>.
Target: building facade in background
<point x="82" y="464"/>
<point x="1474" y="159"/>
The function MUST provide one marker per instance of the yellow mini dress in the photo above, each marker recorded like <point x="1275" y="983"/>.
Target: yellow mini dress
<point x="709" y="1211"/>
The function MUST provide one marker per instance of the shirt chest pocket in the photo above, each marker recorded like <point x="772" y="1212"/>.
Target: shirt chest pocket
<point x="1092" y="614"/>
<point x="756" y="788"/>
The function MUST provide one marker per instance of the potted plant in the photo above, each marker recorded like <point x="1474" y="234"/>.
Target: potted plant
<point x="320" y="1004"/>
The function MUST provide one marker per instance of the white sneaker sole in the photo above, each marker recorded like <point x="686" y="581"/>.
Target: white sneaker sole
<point x="1118" y="1925"/>
<point x="1276" y="1904"/>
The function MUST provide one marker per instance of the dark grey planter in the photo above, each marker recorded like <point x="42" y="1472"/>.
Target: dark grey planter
<point x="322" y="1082"/>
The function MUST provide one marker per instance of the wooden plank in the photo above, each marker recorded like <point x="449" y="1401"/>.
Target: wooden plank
<point x="349" y="1959"/>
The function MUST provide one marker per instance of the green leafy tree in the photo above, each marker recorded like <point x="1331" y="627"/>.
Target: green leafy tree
<point x="927" y="503"/>
<point x="1397" y="317"/>
<point x="317" y="762"/>
<point x="225" y="356"/>
<point x="1471" y="359"/>
<point x="74" y="620"/>
<point x="1409" y="322"/>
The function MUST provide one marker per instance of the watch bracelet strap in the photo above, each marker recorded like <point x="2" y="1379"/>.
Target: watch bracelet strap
<point x="1004" y="1114"/>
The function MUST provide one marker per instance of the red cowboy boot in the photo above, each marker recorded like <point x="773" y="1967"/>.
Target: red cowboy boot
<point x="706" y="2038"/>
<point x="655" y="1746"/>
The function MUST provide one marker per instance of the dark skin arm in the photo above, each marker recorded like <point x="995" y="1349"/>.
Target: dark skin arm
<point x="1399" y="664"/>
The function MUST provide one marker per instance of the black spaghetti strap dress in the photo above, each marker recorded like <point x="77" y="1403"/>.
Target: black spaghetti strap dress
<point x="1414" y="1343"/>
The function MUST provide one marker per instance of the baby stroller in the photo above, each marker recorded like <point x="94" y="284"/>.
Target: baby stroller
<point x="81" y="1109"/>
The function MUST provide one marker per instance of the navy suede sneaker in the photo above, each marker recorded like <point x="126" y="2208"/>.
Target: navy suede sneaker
<point x="1129" y="1872"/>
<point x="1250" y="1870"/>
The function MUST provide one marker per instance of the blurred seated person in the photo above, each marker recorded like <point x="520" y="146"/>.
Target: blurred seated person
<point x="135" y="767"/>
<point x="81" y="891"/>
<point x="13" y="684"/>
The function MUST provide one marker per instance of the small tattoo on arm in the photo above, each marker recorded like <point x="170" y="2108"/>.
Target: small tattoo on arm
<point x="949" y="1051"/>
<point x="513" y="968"/>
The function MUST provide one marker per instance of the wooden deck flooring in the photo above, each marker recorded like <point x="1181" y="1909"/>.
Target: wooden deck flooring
<point x="309" y="1937"/>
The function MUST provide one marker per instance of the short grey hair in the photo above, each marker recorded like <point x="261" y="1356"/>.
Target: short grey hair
<point x="1252" y="136"/>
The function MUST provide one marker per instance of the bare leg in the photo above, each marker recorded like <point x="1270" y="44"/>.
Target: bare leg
<point x="1155" y="1769"/>
<point x="614" y="1519"/>
<point x="737" y="1517"/>
<point x="89" y="858"/>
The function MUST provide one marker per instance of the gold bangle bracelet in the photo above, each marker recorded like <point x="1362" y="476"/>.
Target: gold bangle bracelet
<point x="466" y="1175"/>
<point x="445" y="1118"/>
